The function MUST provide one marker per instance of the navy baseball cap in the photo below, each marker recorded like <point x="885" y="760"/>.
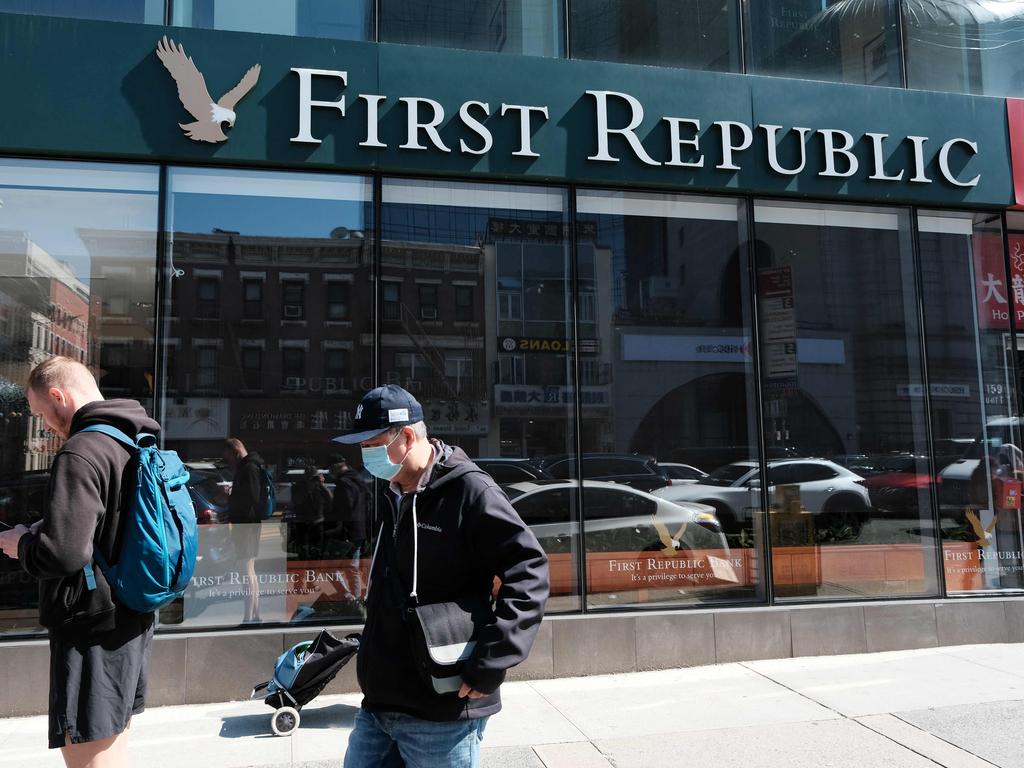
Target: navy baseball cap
<point x="380" y="410"/>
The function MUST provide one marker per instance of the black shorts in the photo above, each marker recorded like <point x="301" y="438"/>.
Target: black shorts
<point x="97" y="683"/>
<point x="246" y="537"/>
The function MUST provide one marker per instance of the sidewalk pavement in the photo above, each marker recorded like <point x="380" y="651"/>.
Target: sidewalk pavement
<point x="959" y="707"/>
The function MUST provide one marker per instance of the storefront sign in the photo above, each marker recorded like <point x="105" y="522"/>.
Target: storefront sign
<point x="196" y="418"/>
<point x="937" y="390"/>
<point x="990" y="283"/>
<point x="516" y="396"/>
<point x="366" y="107"/>
<point x="510" y="344"/>
<point x="723" y="349"/>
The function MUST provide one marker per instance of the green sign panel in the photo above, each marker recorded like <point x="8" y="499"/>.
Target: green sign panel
<point x="102" y="90"/>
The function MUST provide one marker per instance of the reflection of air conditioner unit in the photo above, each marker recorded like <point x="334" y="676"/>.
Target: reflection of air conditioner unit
<point x="428" y="313"/>
<point x="293" y="310"/>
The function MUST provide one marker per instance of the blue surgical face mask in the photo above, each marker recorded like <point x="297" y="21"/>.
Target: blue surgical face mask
<point x="378" y="463"/>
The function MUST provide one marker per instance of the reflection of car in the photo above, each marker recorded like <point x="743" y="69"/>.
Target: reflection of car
<point x="734" y="490"/>
<point x="720" y="455"/>
<point x="682" y="474"/>
<point x="618" y="518"/>
<point x="511" y="470"/>
<point x="897" y="482"/>
<point x="635" y="470"/>
<point x="283" y="489"/>
<point x="208" y="486"/>
<point x="1000" y="441"/>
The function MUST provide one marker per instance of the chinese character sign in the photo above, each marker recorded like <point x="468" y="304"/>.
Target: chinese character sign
<point x="994" y="291"/>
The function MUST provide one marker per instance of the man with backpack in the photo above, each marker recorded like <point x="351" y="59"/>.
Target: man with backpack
<point x="245" y="511"/>
<point x="99" y="649"/>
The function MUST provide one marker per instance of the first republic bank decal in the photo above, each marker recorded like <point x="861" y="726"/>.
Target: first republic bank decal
<point x="836" y="158"/>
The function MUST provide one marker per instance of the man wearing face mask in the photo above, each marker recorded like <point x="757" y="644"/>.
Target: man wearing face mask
<point x="466" y="535"/>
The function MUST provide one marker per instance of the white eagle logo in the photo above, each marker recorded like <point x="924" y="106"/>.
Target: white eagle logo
<point x="210" y="115"/>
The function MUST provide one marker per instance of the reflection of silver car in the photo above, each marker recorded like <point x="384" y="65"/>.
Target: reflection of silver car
<point x="735" y="490"/>
<point x="618" y="518"/>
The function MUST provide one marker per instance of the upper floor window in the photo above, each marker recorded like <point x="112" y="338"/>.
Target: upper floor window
<point x="139" y="11"/>
<point x="348" y="20"/>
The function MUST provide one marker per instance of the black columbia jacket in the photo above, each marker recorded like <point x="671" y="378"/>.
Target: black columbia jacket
<point x="468" y="533"/>
<point x="88" y="488"/>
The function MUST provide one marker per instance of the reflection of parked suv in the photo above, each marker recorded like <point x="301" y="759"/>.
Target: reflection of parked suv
<point x="635" y="470"/>
<point x="1001" y="440"/>
<point x="618" y="518"/>
<point x="507" y="470"/>
<point x="734" y="490"/>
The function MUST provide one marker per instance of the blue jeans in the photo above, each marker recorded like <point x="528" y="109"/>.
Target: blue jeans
<point x="394" y="740"/>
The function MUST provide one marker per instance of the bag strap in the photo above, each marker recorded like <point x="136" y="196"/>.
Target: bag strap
<point x="132" y="445"/>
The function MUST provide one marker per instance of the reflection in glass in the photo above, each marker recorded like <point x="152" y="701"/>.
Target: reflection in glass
<point x="968" y="46"/>
<point x="139" y="11"/>
<point x="842" y="377"/>
<point x="664" y="355"/>
<point x="528" y="27"/>
<point x="349" y="20"/>
<point x="77" y="278"/>
<point x="256" y="348"/>
<point x="696" y="34"/>
<point x="978" y="457"/>
<point x="497" y="384"/>
<point x="837" y="40"/>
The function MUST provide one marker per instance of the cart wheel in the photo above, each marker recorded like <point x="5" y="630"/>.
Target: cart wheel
<point x="284" y="721"/>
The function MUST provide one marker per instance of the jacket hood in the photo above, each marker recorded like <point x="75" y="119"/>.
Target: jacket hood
<point x="452" y="463"/>
<point x="253" y="457"/>
<point x="127" y="415"/>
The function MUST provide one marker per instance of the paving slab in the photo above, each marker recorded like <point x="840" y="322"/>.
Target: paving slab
<point x="922" y="742"/>
<point x="990" y="730"/>
<point x="831" y="743"/>
<point x="579" y="755"/>
<point x="869" y="684"/>
<point x="665" y="702"/>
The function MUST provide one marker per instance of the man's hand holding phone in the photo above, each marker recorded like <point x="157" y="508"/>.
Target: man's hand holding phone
<point x="9" y="538"/>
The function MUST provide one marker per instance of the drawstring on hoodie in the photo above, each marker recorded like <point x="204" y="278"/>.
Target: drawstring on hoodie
<point x="415" y="549"/>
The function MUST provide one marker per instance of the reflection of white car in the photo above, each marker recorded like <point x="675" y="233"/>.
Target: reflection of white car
<point x="735" y="489"/>
<point x="682" y="474"/>
<point x="617" y="518"/>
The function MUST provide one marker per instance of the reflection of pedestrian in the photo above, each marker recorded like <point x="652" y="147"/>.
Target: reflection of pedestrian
<point x="312" y="510"/>
<point x="450" y="530"/>
<point x="99" y="650"/>
<point x="349" y="531"/>
<point x="245" y="516"/>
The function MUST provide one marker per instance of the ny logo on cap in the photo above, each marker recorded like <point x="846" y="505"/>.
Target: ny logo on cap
<point x="359" y="411"/>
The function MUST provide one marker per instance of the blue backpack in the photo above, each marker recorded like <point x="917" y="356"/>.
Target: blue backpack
<point x="159" y="535"/>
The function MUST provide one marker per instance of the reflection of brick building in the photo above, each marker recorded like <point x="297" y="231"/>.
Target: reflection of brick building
<point x="268" y="339"/>
<point x="43" y="312"/>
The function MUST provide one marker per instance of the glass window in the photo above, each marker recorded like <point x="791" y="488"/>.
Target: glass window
<point x="696" y="34"/>
<point x="841" y="363"/>
<point x="252" y="299"/>
<point x="825" y="40"/>
<point x="76" y="239"/>
<point x="338" y="294"/>
<point x="391" y="298"/>
<point x="139" y="11"/>
<point x="428" y="302"/>
<point x="977" y="457"/>
<point x="671" y="324"/>
<point x="439" y="233"/>
<point x="528" y="27"/>
<point x="207" y="297"/>
<point x="965" y="46"/>
<point x="464" y="308"/>
<point x="348" y="20"/>
<point x="270" y="384"/>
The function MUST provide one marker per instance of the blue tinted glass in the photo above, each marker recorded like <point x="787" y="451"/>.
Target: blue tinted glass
<point x="530" y="27"/>
<point x="352" y="20"/>
<point x="697" y="34"/>
<point x="825" y="40"/>
<point x="141" y="11"/>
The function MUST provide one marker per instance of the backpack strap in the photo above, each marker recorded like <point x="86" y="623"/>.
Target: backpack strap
<point x="127" y="442"/>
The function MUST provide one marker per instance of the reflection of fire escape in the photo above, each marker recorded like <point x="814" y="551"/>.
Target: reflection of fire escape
<point x="421" y="339"/>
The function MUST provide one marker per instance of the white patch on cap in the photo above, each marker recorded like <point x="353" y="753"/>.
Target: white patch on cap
<point x="398" y="414"/>
<point x="359" y="411"/>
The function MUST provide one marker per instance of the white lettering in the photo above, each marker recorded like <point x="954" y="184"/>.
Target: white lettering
<point x="918" y="142"/>
<point x="879" y="158"/>
<point x="944" y="162"/>
<point x="415" y="125"/>
<point x="676" y="142"/>
<point x="477" y="127"/>
<point x="372" y="118"/>
<point x="729" y="146"/>
<point x="525" y="150"/>
<point x="603" y="131"/>
<point x="306" y="102"/>
<point x="831" y="150"/>
<point x="771" y="131"/>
